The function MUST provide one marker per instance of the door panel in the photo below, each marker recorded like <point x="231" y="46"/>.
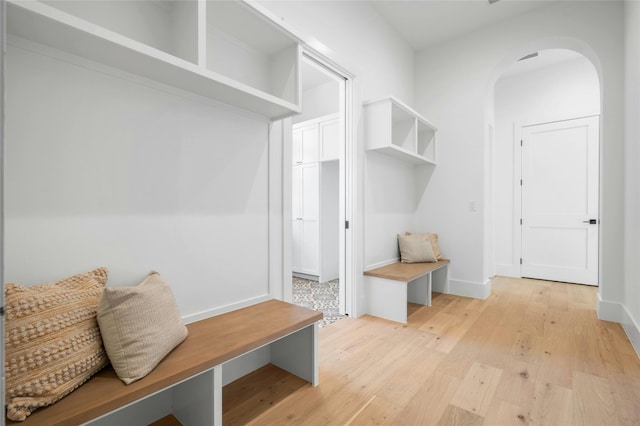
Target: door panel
<point x="329" y="140"/>
<point x="310" y="144"/>
<point x="305" y="224"/>
<point x="310" y="191"/>
<point x="559" y="193"/>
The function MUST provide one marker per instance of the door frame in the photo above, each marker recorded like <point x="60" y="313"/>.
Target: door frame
<point x="348" y="290"/>
<point x="2" y="127"/>
<point x="517" y="176"/>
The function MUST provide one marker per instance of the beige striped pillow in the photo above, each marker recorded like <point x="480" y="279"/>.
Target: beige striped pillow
<point x="52" y="340"/>
<point x="140" y="325"/>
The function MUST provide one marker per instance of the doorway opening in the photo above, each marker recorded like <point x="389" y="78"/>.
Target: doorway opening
<point x="546" y="168"/>
<point x="318" y="246"/>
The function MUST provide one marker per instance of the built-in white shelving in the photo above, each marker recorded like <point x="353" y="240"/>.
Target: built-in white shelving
<point x="233" y="51"/>
<point x="393" y="128"/>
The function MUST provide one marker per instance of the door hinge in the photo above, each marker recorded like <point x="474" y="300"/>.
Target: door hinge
<point x="346" y="224"/>
<point x="520" y="221"/>
<point x="520" y="182"/>
<point x="521" y="261"/>
<point x="521" y="142"/>
<point x="1" y="311"/>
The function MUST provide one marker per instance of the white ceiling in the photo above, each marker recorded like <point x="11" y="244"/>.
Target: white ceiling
<point x="423" y="23"/>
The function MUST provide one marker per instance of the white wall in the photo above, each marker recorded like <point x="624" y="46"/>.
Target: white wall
<point x="319" y="101"/>
<point x="354" y="36"/>
<point x="631" y="317"/>
<point x="357" y="38"/>
<point x="562" y="91"/>
<point x="106" y="169"/>
<point x="389" y="206"/>
<point x="453" y="82"/>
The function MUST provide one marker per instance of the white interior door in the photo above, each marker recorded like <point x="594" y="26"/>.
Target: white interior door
<point x="560" y="201"/>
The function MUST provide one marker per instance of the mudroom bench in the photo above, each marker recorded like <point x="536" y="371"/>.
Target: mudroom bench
<point x="389" y="288"/>
<point x="186" y="386"/>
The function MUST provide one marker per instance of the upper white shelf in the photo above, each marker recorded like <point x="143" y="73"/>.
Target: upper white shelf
<point x="393" y="128"/>
<point x="228" y="51"/>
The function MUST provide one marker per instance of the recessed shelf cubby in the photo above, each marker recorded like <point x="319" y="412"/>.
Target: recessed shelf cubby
<point x="393" y="128"/>
<point x="169" y="26"/>
<point x="426" y="140"/>
<point x="403" y="128"/>
<point x="233" y="52"/>
<point x="242" y="47"/>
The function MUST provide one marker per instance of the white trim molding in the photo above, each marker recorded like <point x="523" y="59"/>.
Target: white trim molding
<point x="608" y="310"/>
<point x="472" y="289"/>
<point x="632" y="327"/>
<point x="381" y="263"/>
<point x="188" y="319"/>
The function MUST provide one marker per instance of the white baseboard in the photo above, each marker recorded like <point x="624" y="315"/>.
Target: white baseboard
<point x="609" y="311"/>
<point x="381" y="264"/>
<point x="224" y="309"/>
<point x="632" y="328"/>
<point x="618" y="312"/>
<point x="472" y="289"/>
<point x="306" y="276"/>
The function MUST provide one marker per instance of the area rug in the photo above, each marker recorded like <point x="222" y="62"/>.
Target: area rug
<point x="322" y="297"/>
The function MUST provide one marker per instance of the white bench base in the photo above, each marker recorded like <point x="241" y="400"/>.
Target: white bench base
<point x="387" y="298"/>
<point x="198" y="399"/>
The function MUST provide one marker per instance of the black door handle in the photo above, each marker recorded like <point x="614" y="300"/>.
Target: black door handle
<point x="591" y="221"/>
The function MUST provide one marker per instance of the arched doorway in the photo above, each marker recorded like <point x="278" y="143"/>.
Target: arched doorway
<point x="544" y="150"/>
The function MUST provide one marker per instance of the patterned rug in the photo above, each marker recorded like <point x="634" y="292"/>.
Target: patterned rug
<point x="321" y="297"/>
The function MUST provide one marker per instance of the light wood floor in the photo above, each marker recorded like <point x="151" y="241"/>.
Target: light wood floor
<point x="532" y="353"/>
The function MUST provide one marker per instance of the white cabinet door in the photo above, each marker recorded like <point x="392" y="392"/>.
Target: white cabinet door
<point x="329" y="140"/>
<point x="306" y="234"/>
<point x="560" y="201"/>
<point x="296" y="226"/>
<point x="313" y="142"/>
<point x="296" y="151"/>
<point x="305" y="144"/>
<point x="296" y="235"/>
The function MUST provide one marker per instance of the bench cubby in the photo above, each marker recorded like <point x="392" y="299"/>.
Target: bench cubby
<point x="391" y="287"/>
<point x="187" y="384"/>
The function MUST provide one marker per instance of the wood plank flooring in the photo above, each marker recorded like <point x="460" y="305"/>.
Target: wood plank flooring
<point x="533" y="353"/>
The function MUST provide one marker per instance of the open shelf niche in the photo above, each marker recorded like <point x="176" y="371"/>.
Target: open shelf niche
<point x="393" y="128"/>
<point x="233" y="52"/>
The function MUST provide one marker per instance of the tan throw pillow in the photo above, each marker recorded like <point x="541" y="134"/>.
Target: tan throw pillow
<point x="433" y="238"/>
<point x="415" y="248"/>
<point x="52" y="340"/>
<point x="140" y="325"/>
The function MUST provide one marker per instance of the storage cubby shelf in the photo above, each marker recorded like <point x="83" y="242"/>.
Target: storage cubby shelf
<point x="394" y="129"/>
<point x="278" y="97"/>
<point x="403" y="154"/>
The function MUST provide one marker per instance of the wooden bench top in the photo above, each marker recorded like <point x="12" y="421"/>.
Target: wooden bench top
<point x="406" y="272"/>
<point x="210" y="342"/>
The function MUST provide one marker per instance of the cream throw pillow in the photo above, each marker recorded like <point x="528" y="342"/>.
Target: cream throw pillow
<point x="52" y="340"/>
<point x="140" y="325"/>
<point x="415" y="248"/>
<point x="433" y="238"/>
